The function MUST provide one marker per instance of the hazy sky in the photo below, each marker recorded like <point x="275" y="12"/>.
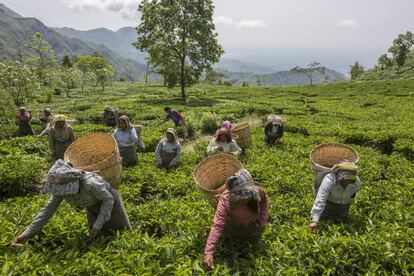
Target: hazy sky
<point x="277" y="33"/>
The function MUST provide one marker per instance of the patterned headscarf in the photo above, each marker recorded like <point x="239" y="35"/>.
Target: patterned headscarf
<point x="126" y="120"/>
<point x="240" y="187"/>
<point x="62" y="179"/>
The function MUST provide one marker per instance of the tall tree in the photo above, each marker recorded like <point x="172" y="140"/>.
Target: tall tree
<point x="356" y="70"/>
<point x="310" y="70"/>
<point x="401" y="46"/>
<point x="44" y="51"/>
<point x="180" y="31"/>
<point x="97" y="66"/>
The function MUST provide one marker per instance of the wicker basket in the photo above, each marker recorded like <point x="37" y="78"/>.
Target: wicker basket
<point x="97" y="152"/>
<point x="210" y="175"/>
<point x="243" y="135"/>
<point x="325" y="156"/>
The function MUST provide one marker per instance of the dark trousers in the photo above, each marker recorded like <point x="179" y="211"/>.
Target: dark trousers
<point x="336" y="211"/>
<point x="119" y="218"/>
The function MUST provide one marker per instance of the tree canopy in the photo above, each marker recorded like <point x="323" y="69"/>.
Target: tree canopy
<point x="310" y="69"/>
<point x="179" y="34"/>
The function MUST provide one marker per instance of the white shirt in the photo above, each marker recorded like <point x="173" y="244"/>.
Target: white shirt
<point x="332" y="191"/>
<point x="169" y="148"/>
<point x="126" y="138"/>
<point x="216" y="148"/>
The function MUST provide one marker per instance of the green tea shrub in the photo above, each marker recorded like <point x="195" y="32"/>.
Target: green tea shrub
<point x="209" y="123"/>
<point x="20" y="173"/>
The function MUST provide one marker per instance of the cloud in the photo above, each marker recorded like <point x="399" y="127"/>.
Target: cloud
<point x="127" y="8"/>
<point x="252" y="24"/>
<point x="223" y="20"/>
<point x="347" y="23"/>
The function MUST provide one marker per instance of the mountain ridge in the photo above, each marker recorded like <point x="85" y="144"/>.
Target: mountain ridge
<point x="15" y="33"/>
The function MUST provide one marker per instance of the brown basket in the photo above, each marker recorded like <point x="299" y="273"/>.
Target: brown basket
<point x="97" y="152"/>
<point x="243" y="135"/>
<point x="329" y="154"/>
<point x="210" y="175"/>
<point x="325" y="156"/>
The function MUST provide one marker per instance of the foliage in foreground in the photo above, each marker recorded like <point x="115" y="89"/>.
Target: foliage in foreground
<point x="170" y="218"/>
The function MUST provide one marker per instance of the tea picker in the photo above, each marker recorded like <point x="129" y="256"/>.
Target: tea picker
<point x="110" y="116"/>
<point x="223" y="142"/>
<point x="335" y="182"/>
<point x="168" y="151"/>
<point x="23" y="120"/>
<point x="105" y="209"/>
<point x="274" y="129"/>
<point x="240" y="203"/>
<point x="177" y="118"/>
<point x="126" y="136"/>
<point x="61" y="135"/>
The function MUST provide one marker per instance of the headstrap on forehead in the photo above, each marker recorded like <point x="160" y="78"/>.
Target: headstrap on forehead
<point x="345" y="165"/>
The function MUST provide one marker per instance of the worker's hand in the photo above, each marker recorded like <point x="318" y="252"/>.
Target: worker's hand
<point x="19" y="240"/>
<point x="220" y="149"/>
<point x="209" y="262"/>
<point x="313" y="226"/>
<point x="93" y="232"/>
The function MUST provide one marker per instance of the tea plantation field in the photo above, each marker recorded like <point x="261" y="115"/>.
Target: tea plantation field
<point x="170" y="218"/>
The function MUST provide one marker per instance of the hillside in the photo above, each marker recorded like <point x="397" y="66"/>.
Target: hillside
<point x="232" y="65"/>
<point x="119" y="41"/>
<point x="390" y="73"/>
<point x="281" y="78"/>
<point x="15" y="32"/>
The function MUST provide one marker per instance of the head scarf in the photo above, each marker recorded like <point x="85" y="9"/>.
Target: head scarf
<point x="47" y="110"/>
<point x="223" y="131"/>
<point x="60" y="118"/>
<point x="227" y="124"/>
<point x="127" y="121"/>
<point x="62" y="179"/>
<point x="241" y="186"/>
<point x="346" y="169"/>
<point x="173" y="132"/>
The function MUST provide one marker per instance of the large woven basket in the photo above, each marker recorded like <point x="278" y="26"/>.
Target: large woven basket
<point x="97" y="152"/>
<point x="243" y="135"/>
<point x="325" y="156"/>
<point x="210" y="175"/>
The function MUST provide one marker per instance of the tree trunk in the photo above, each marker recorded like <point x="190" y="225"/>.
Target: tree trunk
<point x="146" y="72"/>
<point x="182" y="80"/>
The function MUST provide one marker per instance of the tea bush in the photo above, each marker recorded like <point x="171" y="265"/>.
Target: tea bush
<point x="170" y="217"/>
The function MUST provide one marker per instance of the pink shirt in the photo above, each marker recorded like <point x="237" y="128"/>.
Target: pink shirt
<point x="238" y="215"/>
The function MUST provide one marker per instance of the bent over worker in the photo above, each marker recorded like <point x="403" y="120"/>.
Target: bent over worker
<point x="334" y="195"/>
<point x="104" y="207"/>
